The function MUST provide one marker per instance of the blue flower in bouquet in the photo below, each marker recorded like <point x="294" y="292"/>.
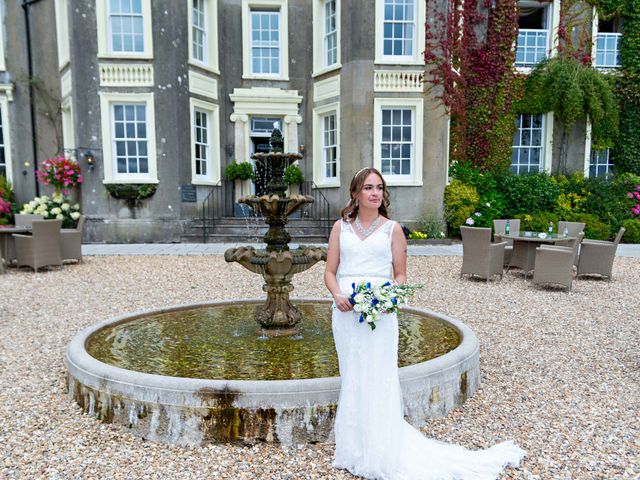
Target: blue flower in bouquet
<point x="372" y="302"/>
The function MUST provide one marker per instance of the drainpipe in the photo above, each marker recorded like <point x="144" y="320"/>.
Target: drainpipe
<point x="32" y="108"/>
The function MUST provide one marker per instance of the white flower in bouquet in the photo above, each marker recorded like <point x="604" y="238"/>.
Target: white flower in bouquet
<point x="370" y="302"/>
<point x="76" y="206"/>
<point x="27" y="208"/>
<point x="33" y="204"/>
<point x="59" y="217"/>
<point x="58" y="198"/>
<point x="56" y="210"/>
<point x="43" y="199"/>
<point x="75" y="215"/>
<point x="65" y="206"/>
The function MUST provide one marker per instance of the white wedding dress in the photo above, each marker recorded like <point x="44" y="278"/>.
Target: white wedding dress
<point x="372" y="438"/>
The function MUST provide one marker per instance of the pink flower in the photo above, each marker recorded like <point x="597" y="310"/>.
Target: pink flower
<point x="630" y="195"/>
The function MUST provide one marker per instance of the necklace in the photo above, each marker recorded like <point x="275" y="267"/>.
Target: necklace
<point x="365" y="232"/>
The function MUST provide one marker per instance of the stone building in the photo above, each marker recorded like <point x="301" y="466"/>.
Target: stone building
<point x="167" y="93"/>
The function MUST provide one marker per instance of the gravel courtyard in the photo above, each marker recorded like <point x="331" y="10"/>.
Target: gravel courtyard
<point x="560" y="371"/>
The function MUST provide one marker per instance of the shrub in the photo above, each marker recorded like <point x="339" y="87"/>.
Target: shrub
<point x="460" y="201"/>
<point x="527" y="194"/>
<point x="594" y="227"/>
<point x="293" y="175"/>
<point x="537" y="222"/>
<point x="7" y="201"/>
<point x="433" y="225"/>
<point x="632" y="227"/>
<point x="239" y="171"/>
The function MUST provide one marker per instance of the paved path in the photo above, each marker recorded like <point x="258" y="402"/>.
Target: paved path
<point x="624" y="250"/>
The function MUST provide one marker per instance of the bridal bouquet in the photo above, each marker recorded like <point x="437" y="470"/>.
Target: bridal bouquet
<point x="371" y="302"/>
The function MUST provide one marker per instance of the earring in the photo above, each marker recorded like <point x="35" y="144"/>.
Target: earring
<point x="356" y="202"/>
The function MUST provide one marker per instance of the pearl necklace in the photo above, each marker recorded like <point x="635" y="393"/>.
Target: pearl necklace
<point x="365" y="232"/>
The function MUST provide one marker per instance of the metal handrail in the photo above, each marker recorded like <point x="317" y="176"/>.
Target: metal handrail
<point x="318" y="210"/>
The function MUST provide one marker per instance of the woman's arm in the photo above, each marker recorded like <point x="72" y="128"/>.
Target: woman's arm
<point x="399" y="253"/>
<point x="331" y="268"/>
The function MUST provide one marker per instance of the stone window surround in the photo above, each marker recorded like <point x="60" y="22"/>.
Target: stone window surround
<point x="213" y="132"/>
<point x="416" y="103"/>
<point x="282" y="6"/>
<point x="107" y="99"/>
<point x="211" y="48"/>
<point x="68" y="129"/>
<point x="417" y="58"/>
<point x="318" y="159"/>
<point x="102" y="21"/>
<point x="319" y="67"/>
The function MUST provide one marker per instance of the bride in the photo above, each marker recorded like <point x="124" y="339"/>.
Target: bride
<point x="372" y="438"/>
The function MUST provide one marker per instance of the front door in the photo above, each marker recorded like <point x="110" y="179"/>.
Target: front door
<point x="261" y="128"/>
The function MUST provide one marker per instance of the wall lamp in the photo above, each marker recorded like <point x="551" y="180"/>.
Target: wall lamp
<point x="90" y="158"/>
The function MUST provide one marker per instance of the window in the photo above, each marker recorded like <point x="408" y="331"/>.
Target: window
<point x="398" y="139"/>
<point x="527" y="150"/>
<point x="265" y="43"/>
<point x="399" y="27"/>
<point x="198" y="30"/>
<point x="205" y="143"/>
<point x="5" y="146"/>
<point x="128" y="137"/>
<point x="601" y="164"/>
<point x="329" y="146"/>
<point x="533" y="34"/>
<point x="608" y="42"/>
<point x="124" y="28"/>
<point x="330" y="34"/>
<point x="3" y="158"/>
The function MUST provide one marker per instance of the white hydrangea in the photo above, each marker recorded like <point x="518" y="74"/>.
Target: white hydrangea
<point x="27" y="208"/>
<point x="59" y="217"/>
<point x="65" y="206"/>
<point x="56" y="211"/>
<point x="75" y="215"/>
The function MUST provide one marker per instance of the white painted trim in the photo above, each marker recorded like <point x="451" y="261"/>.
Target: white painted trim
<point x="319" y="67"/>
<point x="415" y="179"/>
<point x="102" y="21"/>
<point x="282" y="7"/>
<point x="587" y="149"/>
<point x="555" y="25"/>
<point x="3" y="7"/>
<point x="328" y="88"/>
<point x="6" y="126"/>
<point x="595" y="22"/>
<point x="126" y="74"/>
<point x="547" y="163"/>
<point x="214" y="142"/>
<point x="318" y="177"/>
<point x="211" y="47"/>
<point x="418" y="42"/>
<point x="203" y="85"/>
<point x="62" y="32"/>
<point x="263" y="102"/>
<point x="65" y="83"/>
<point x="7" y="89"/>
<point x="106" y="100"/>
<point x="68" y="130"/>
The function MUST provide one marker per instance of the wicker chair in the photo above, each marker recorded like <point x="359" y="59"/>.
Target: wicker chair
<point x="71" y="241"/>
<point x="596" y="256"/>
<point x="479" y="256"/>
<point x="573" y="230"/>
<point x="25" y="219"/>
<point x="499" y="230"/>
<point x="42" y="247"/>
<point x="554" y="264"/>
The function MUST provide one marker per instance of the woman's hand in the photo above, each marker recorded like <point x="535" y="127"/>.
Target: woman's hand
<point x="342" y="302"/>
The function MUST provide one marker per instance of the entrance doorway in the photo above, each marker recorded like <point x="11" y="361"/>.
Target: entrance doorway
<point x="261" y="128"/>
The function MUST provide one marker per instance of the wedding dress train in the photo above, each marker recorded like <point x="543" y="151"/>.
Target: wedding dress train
<point x="372" y="438"/>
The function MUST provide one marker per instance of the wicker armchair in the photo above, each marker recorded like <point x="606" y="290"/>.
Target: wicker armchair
<point x="596" y="256"/>
<point x="499" y="230"/>
<point x="554" y="265"/>
<point x="42" y="247"/>
<point x="71" y="241"/>
<point x="573" y="230"/>
<point x="479" y="256"/>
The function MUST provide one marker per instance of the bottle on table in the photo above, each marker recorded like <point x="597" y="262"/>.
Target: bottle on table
<point x="550" y="228"/>
<point x="565" y="232"/>
<point x="507" y="228"/>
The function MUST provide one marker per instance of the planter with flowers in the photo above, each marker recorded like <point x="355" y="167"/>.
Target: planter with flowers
<point x="60" y="173"/>
<point x="56" y="207"/>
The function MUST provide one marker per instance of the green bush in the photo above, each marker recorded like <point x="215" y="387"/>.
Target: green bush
<point x="433" y="225"/>
<point x="538" y="222"/>
<point x="632" y="227"/>
<point x="293" y="175"/>
<point x="527" y="194"/>
<point x="460" y="201"/>
<point x="239" y="171"/>
<point x="7" y="201"/>
<point x="594" y="228"/>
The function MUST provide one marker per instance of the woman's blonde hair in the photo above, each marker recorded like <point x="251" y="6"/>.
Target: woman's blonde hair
<point x="357" y="182"/>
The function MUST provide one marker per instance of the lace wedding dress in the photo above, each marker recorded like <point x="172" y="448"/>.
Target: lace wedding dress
<point x="372" y="438"/>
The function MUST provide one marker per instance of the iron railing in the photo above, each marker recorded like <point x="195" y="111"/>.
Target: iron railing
<point x="320" y="209"/>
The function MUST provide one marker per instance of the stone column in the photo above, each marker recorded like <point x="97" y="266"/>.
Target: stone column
<point x="291" y="132"/>
<point x="240" y="136"/>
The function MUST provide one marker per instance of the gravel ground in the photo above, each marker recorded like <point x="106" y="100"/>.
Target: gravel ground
<point x="560" y="371"/>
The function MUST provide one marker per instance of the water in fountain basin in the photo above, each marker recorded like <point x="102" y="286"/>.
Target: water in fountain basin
<point x="223" y="342"/>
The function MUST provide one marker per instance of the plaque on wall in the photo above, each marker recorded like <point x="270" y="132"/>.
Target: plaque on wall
<point x="188" y="193"/>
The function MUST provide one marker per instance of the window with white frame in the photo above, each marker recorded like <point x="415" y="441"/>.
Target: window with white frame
<point x="265" y="42"/>
<point x="5" y="144"/>
<point x="601" y="164"/>
<point x="329" y="145"/>
<point x="527" y="154"/>
<point x="330" y="33"/>
<point x="399" y="27"/>
<point x="205" y="143"/>
<point x="124" y="28"/>
<point x="608" y="41"/>
<point x="534" y="25"/>
<point x="130" y="138"/>
<point x="198" y="30"/>
<point x="396" y="148"/>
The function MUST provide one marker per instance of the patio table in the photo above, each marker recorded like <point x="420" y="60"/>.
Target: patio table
<point x="7" y="244"/>
<point x="524" y="248"/>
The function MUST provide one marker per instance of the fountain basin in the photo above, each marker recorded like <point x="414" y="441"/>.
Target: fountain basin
<point x="193" y="411"/>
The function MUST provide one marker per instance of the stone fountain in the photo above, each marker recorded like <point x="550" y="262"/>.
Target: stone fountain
<point x="277" y="264"/>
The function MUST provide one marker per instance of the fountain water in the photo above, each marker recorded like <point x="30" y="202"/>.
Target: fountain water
<point x="193" y="374"/>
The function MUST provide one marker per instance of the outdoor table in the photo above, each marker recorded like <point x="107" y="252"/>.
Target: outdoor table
<point x="7" y="244"/>
<point x="524" y="248"/>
